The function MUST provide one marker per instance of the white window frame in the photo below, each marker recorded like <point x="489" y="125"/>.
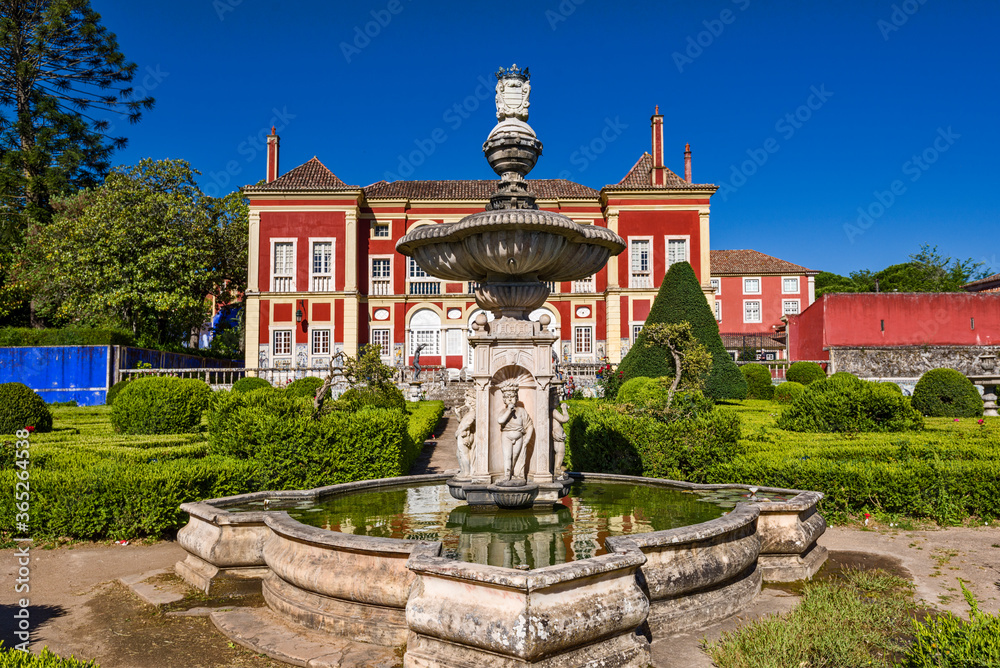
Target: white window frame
<point x="274" y="342"/>
<point x="797" y="285"/>
<point x="798" y="306"/>
<point x="760" y="310"/>
<point x="333" y="262"/>
<point x="760" y="285"/>
<point x="435" y="351"/>
<point x="314" y="335"/>
<point x="459" y="345"/>
<point x="295" y="260"/>
<point x="371" y="274"/>
<point x="717" y="284"/>
<point x="576" y="341"/>
<point x="411" y="264"/>
<point x="667" y="238"/>
<point x="376" y="223"/>
<point x="718" y="311"/>
<point x="632" y="272"/>
<point x="371" y="338"/>
<point x="634" y="328"/>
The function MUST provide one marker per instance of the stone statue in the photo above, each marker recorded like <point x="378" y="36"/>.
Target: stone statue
<point x="416" y="360"/>
<point x="560" y="416"/>
<point x="513" y="89"/>
<point x="466" y="436"/>
<point x="516" y="431"/>
<point x="555" y="364"/>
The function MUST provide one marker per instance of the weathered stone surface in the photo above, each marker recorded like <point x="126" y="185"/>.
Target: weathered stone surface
<point x="908" y="362"/>
<point x="788" y="532"/>
<point x="705" y="606"/>
<point x="151" y="589"/>
<point x="217" y="581"/>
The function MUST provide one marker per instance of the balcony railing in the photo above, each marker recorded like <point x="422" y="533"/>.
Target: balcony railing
<point x="641" y="280"/>
<point x="586" y="285"/>
<point x="284" y="283"/>
<point x="381" y="286"/>
<point x="553" y="286"/>
<point x="425" y="288"/>
<point x="322" y="283"/>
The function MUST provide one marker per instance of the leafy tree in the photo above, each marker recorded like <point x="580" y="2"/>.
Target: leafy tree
<point x="145" y="251"/>
<point x="681" y="299"/>
<point x="691" y="359"/>
<point x="927" y="271"/>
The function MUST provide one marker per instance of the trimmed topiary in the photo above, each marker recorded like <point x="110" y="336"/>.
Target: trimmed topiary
<point x="357" y="398"/>
<point x="21" y="407"/>
<point x="681" y="299"/>
<point x="789" y="391"/>
<point x="805" y="372"/>
<point x="249" y="383"/>
<point x="848" y="404"/>
<point x="305" y="387"/>
<point x="109" y="399"/>
<point x="758" y="379"/>
<point x="160" y="405"/>
<point x="947" y="393"/>
<point x="643" y="391"/>
<point x="889" y="385"/>
<point x="841" y="374"/>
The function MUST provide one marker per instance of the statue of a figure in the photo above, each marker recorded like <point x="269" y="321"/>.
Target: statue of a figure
<point x="466" y="436"/>
<point x="416" y="360"/>
<point x="560" y="416"/>
<point x="555" y="364"/>
<point x="516" y="430"/>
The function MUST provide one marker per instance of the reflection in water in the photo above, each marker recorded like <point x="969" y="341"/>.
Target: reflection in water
<point x="574" y="528"/>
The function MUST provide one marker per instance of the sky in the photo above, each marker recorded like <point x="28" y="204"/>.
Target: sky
<point x="842" y="135"/>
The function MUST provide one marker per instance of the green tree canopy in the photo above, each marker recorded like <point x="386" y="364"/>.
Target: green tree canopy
<point x="927" y="271"/>
<point x="681" y="299"/>
<point x="144" y="251"/>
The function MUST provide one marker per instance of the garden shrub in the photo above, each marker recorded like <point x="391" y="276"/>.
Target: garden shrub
<point x="948" y="641"/>
<point x="249" y="383"/>
<point x="947" y="393"/>
<point x="109" y="399"/>
<point x="805" y="372"/>
<point x="21" y="407"/>
<point x="234" y="418"/>
<point x="758" y="379"/>
<point x="787" y="392"/>
<point x="604" y="439"/>
<point x="305" y="387"/>
<point x="892" y="387"/>
<point x="370" y="396"/>
<point x="160" y="405"/>
<point x="842" y="374"/>
<point x="643" y="391"/>
<point x="848" y="404"/>
<point x="15" y="658"/>
<point x="680" y="299"/>
<point x="64" y="336"/>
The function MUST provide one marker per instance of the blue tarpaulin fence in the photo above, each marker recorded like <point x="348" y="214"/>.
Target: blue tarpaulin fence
<point x="84" y="373"/>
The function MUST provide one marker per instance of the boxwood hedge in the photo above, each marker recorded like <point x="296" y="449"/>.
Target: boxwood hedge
<point x="759" y="384"/>
<point x="160" y="405"/>
<point x="844" y="403"/>
<point x="21" y="407"/>
<point x="947" y="393"/>
<point x="805" y="372"/>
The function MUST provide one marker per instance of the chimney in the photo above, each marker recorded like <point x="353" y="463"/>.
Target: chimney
<point x="659" y="176"/>
<point x="272" y="155"/>
<point x="687" y="162"/>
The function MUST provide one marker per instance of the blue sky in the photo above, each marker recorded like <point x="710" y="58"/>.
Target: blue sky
<point x="844" y="134"/>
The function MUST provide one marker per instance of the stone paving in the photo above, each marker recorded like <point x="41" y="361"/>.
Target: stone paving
<point x="439" y="455"/>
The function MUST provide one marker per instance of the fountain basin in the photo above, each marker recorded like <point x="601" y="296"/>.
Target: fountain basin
<point x="391" y="591"/>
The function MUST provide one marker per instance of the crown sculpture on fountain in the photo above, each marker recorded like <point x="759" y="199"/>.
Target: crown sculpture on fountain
<point x="510" y="441"/>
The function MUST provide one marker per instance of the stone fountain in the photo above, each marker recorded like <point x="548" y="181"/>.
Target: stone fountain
<point x="506" y="448"/>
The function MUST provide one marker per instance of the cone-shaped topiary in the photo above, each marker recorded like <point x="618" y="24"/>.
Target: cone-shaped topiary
<point x="947" y="393"/>
<point x="681" y="299"/>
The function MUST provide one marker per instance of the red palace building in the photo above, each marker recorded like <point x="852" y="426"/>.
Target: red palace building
<point x="324" y="275"/>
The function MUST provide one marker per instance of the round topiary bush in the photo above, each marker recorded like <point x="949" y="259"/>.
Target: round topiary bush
<point x="643" y="391"/>
<point x="892" y="387"/>
<point x="759" y="384"/>
<point x="304" y="387"/>
<point x="788" y="392"/>
<point x="21" y="407"/>
<point x="249" y="383"/>
<point x="113" y="391"/>
<point x="160" y="405"/>
<point x="356" y="398"/>
<point x="805" y="372"/>
<point x="849" y="404"/>
<point x="947" y="393"/>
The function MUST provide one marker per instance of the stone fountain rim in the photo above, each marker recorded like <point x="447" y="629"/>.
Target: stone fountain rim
<point x="214" y="511"/>
<point x="532" y="220"/>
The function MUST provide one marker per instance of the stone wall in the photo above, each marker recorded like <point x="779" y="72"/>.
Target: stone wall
<point x="908" y="362"/>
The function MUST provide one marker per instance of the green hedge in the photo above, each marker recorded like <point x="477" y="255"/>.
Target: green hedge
<point x="357" y="398"/>
<point x="643" y="391"/>
<point x="114" y="390"/>
<point x="13" y="658"/>
<point x="805" y="372"/>
<point x="947" y="393"/>
<point x="160" y="405"/>
<point x="249" y="383"/>
<point x="847" y="404"/>
<point x="305" y="387"/>
<point x="787" y="392"/>
<point x="234" y="416"/>
<point x="21" y="407"/>
<point x="758" y="377"/>
<point x="601" y="439"/>
<point x="66" y="336"/>
<point x="424" y="417"/>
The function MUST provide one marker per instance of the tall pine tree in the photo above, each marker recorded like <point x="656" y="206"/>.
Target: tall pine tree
<point x="681" y="299"/>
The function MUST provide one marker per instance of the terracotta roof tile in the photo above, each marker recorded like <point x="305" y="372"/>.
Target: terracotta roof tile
<point x="749" y="262"/>
<point x="640" y="178"/>
<point x="982" y="282"/>
<point x="312" y="175"/>
<point x="475" y="189"/>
